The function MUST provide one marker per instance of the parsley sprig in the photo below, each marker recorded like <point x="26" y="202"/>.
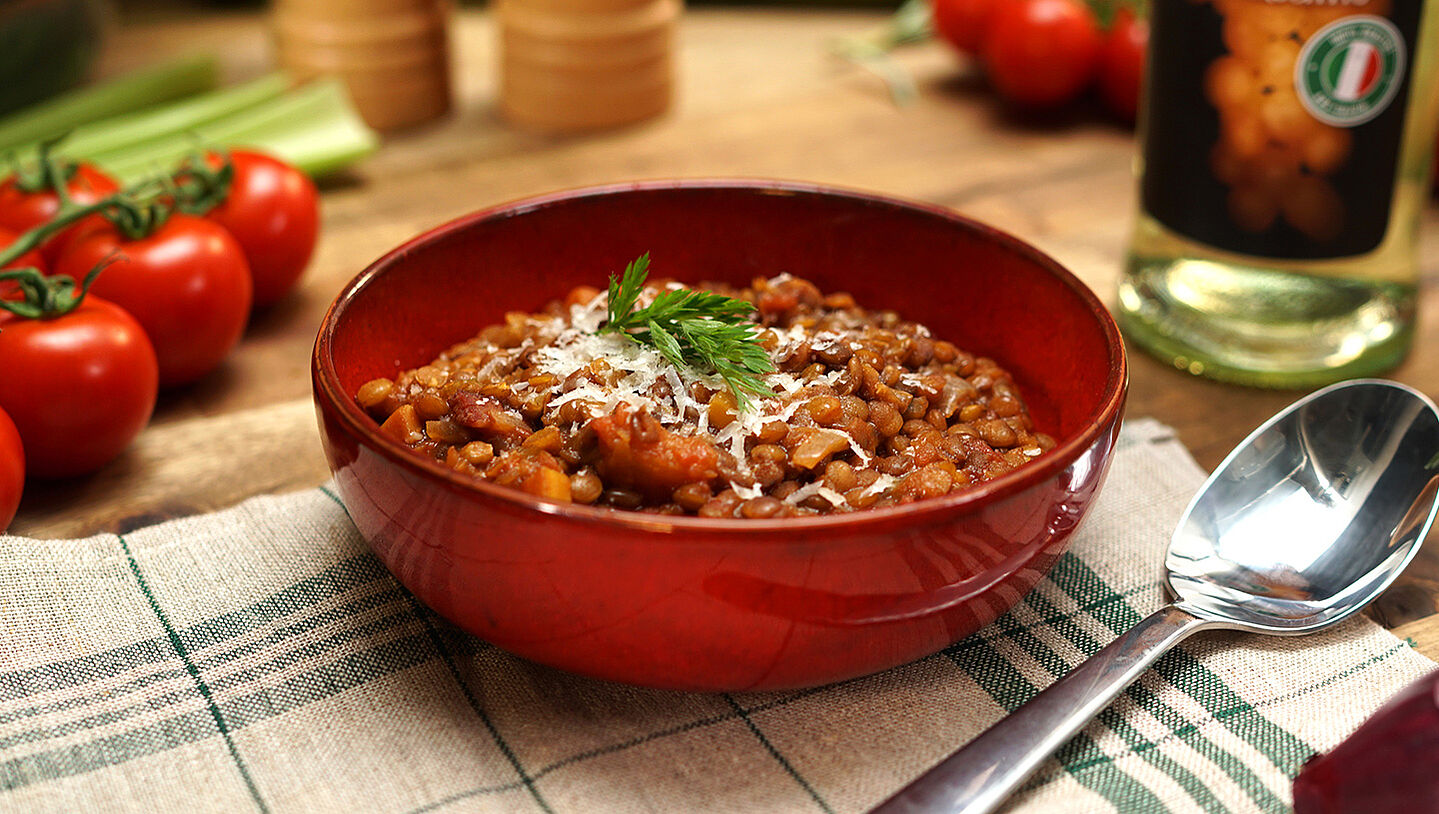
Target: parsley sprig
<point x="699" y="329"/>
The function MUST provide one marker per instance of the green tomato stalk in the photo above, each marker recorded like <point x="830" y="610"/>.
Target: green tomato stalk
<point x="136" y="211"/>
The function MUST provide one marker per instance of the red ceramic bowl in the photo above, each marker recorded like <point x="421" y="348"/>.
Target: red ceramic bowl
<point x="702" y="604"/>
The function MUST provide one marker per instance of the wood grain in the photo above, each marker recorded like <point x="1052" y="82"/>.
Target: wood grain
<point x="759" y="95"/>
<point x="182" y="468"/>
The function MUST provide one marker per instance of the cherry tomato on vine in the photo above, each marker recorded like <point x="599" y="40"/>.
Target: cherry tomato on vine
<point x="187" y="284"/>
<point x="22" y="209"/>
<point x="962" y="23"/>
<point x="79" y="386"/>
<point x="12" y="470"/>
<point x="1041" y="53"/>
<point x="30" y="259"/>
<point x="1121" y="64"/>
<point x="273" y="211"/>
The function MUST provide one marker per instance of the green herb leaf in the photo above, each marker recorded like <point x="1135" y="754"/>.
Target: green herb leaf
<point x="625" y="291"/>
<point x="699" y="329"/>
<point x="666" y="344"/>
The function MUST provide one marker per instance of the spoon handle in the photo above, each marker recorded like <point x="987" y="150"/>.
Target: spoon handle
<point x="980" y="776"/>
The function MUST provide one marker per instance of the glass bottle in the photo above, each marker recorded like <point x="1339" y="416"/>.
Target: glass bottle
<point x="1284" y="164"/>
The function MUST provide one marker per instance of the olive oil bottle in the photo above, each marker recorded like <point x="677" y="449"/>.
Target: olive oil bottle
<point x="1284" y="164"/>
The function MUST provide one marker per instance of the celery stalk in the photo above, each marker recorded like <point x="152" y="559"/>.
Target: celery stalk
<point x="133" y="91"/>
<point x="313" y="127"/>
<point x="117" y="133"/>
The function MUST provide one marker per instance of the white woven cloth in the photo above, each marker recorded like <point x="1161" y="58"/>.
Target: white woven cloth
<point x="260" y="659"/>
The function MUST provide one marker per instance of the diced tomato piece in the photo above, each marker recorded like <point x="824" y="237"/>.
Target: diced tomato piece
<point x="637" y="452"/>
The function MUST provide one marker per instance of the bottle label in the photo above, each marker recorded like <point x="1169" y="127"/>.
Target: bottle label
<point x="1273" y="126"/>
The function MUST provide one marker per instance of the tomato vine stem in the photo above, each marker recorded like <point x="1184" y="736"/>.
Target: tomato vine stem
<point x="136" y="211"/>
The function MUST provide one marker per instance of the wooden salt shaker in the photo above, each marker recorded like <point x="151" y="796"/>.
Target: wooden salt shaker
<point x="392" y="54"/>
<point x="570" y="65"/>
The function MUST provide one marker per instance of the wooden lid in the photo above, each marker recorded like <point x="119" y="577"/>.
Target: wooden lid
<point x="427" y="56"/>
<point x="387" y="101"/>
<point x="545" y="98"/>
<point x="391" y="54"/>
<point x="519" y="45"/>
<point x="581" y="6"/>
<point x="337" y="10"/>
<point x="373" y="30"/>
<point x="545" y="24"/>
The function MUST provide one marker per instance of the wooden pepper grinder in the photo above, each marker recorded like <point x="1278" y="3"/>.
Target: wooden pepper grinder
<point x="392" y="54"/>
<point x="569" y="65"/>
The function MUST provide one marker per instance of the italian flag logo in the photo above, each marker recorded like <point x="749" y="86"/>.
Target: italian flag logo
<point x="1349" y="71"/>
<point x="1355" y="71"/>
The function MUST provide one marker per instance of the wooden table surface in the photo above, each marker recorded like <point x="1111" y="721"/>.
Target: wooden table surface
<point x="758" y="96"/>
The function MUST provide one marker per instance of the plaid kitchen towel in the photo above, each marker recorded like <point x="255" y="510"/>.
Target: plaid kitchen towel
<point x="260" y="659"/>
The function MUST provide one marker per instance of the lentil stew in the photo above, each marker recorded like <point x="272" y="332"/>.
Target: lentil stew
<point x="868" y="410"/>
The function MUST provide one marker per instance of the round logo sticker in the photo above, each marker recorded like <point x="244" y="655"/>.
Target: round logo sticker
<point x="1349" y="70"/>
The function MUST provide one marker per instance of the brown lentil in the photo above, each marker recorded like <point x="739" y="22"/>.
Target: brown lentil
<point x="885" y="418"/>
<point x="839" y="476"/>
<point x="585" y="486"/>
<point x="760" y="507"/>
<point x="692" y="496"/>
<point x="373" y="392"/>
<point x="825" y="409"/>
<point x="430" y="406"/>
<point x="875" y="413"/>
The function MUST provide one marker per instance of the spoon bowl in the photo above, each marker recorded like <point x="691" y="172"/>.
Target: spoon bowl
<point x="1314" y="514"/>
<point x="1308" y="520"/>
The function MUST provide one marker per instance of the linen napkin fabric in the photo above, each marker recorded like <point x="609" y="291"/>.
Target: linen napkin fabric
<point x="260" y="659"/>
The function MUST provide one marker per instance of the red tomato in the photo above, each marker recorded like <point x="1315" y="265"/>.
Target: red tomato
<point x="21" y="211"/>
<point x="30" y="259"/>
<point x="187" y="284"/>
<point x="1121" y="64"/>
<point x="274" y="213"/>
<point x="1041" y="53"/>
<point x="961" y="23"/>
<point x="12" y="470"/>
<point x="79" y="387"/>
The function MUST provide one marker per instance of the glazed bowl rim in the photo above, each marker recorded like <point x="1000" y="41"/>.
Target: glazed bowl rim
<point x="331" y="397"/>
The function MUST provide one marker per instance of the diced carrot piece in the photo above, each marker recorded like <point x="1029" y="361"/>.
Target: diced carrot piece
<point x="549" y="483"/>
<point x="403" y="425"/>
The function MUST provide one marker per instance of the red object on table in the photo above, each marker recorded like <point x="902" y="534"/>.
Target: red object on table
<point x="962" y="23"/>
<point x="710" y="604"/>
<point x="273" y="212"/>
<point x="12" y="470"/>
<point x="22" y="210"/>
<point x="187" y="284"/>
<point x="1041" y="53"/>
<point x="79" y="387"/>
<point x="30" y="259"/>
<point x="1390" y="763"/>
<point x="1121" y="64"/>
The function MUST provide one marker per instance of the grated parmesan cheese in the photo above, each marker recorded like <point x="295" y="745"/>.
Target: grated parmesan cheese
<point x="746" y="491"/>
<point x="880" y="486"/>
<point x="817" y="488"/>
<point x="495" y="382"/>
<point x="574" y="345"/>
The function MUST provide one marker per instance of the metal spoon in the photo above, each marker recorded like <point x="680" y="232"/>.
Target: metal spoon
<point x="1305" y="522"/>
